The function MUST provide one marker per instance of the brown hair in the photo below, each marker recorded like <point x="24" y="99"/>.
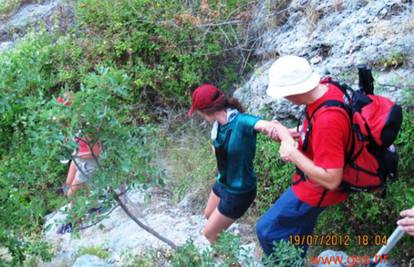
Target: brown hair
<point x="227" y="102"/>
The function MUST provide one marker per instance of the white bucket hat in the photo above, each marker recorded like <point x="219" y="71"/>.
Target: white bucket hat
<point x="291" y="75"/>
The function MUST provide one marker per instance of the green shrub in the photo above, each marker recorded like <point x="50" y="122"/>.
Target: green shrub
<point x="39" y="132"/>
<point x="393" y="60"/>
<point x="227" y="251"/>
<point x="8" y="6"/>
<point x="96" y="251"/>
<point x="189" y="255"/>
<point x="163" y="45"/>
<point x="188" y="159"/>
<point x="228" y="247"/>
<point x="284" y="254"/>
<point x="274" y="175"/>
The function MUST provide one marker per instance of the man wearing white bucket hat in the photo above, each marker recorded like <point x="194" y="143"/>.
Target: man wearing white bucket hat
<point x="319" y="157"/>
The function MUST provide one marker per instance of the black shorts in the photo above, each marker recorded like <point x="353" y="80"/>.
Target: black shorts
<point x="233" y="205"/>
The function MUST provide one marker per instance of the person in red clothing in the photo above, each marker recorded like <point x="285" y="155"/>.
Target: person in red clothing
<point x="319" y="156"/>
<point x="83" y="165"/>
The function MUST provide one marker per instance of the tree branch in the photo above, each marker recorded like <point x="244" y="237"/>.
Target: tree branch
<point x="143" y="226"/>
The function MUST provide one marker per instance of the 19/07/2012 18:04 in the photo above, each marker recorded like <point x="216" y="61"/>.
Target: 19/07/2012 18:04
<point x="338" y="240"/>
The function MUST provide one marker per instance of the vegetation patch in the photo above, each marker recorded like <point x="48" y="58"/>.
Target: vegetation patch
<point x="188" y="159"/>
<point x="392" y="61"/>
<point x="7" y="7"/>
<point x="96" y="251"/>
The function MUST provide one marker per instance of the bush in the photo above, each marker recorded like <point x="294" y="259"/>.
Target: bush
<point x="284" y="254"/>
<point x="28" y="172"/>
<point x="274" y="175"/>
<point x="163" y="45"/>
<point x="8" y="6"/>
<point x="40" y="132"/>
<point x="189" y="255"/>
<point x="227" y="251"/>
<point x="97" y="251"/>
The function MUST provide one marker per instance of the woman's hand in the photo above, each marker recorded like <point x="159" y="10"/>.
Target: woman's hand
<point x="407" y="223"/>
<point x="280" y="131"/>
<point x="274" y="128"/>
<point x="288" y="144"/>
<point x="267" y="128"/>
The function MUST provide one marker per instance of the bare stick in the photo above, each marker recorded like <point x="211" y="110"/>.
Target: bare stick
<point x="143" y="226"/>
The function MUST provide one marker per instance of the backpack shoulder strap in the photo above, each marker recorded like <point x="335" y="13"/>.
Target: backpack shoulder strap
<point x="330" y="103"/>
<point x="345" y="88"/>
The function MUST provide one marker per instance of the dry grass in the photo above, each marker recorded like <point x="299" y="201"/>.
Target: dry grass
<point x="408" y="25"/>
<point x="277" y="12"/>
<point x="338" y="5"/>
<point x="7" y="7"/>
<point x="186" y="18"/>
<point x="313" y="15"/>
<point x="188" y="160"/>
<point x="383" y="29"/>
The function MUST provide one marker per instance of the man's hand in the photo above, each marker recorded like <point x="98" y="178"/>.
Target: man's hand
<point x="286" y="149"/>
<point x="288" y="144"/>
<point x="407" y="223"/>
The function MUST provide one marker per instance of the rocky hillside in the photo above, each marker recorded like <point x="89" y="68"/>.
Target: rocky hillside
<point x="118" y="240"/>
<point x="334" y="36"/>
<point x="17" y="18"/>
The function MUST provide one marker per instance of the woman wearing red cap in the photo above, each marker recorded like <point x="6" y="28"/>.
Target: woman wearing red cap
<point x="234" y="140"/>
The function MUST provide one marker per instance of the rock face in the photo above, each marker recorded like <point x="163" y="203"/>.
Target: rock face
<point x="338" y="34"/>
<point x="121" y="238"/>
<point x="254" y="98"/>
<point x="55" y="14"/>
<point x="334" y="36"/>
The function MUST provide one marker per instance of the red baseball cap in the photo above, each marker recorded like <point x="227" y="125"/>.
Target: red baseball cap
<point x="205" y="96"/>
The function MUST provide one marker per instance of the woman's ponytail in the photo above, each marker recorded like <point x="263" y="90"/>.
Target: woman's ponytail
<point x="232" y="102"/>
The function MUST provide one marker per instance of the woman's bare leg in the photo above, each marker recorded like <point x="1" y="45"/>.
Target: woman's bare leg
<point x="71" y="173"/>
<point x="212" y="203"/>
<point x="74" y="186"/>
<point x="215" y="224"/>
